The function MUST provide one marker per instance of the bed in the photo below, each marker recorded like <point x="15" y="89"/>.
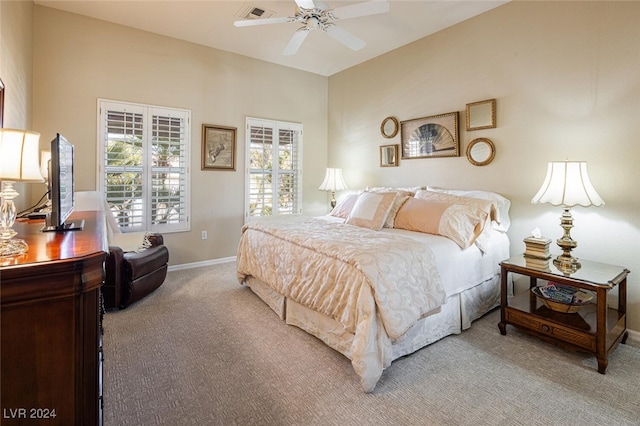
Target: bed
<point x="387" y="272"/>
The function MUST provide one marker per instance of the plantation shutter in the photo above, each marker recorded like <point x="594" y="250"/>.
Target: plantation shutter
<point x="144" y="157"/>
<point x="274" y="168"/>
<point x="168" y="169"/>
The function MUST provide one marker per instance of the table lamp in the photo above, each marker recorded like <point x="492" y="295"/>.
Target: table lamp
<point x="19" y="155"/>
<point x="567" y="184"/>
<point x="333" y="182"/>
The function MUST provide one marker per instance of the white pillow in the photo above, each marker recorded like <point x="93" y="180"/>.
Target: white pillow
<point x="412" y="189"/>
<point x="371" y="210"/>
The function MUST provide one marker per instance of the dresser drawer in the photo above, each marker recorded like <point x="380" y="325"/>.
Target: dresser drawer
<point x="548" y="328"/>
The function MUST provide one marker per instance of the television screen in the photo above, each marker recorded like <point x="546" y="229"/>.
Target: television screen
<point x="61" y="186"/>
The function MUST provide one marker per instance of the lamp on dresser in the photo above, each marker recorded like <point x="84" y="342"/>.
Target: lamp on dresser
<point x="333" y="182"/>
<point x="567" y="184"/>
<point x="19" y="155"/>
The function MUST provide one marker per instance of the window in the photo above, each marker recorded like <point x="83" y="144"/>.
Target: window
<point x="144" y="157"/>
<point x="274" y="159"/>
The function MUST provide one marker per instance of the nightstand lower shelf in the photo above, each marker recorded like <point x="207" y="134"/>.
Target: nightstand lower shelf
<point x="575" y="331"/>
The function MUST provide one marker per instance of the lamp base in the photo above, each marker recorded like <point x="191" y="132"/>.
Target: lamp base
<point x="12" y="247"/>
<point x="566" y="264"/>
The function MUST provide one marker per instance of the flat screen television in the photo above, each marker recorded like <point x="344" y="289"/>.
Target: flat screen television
<point x="61" y="186"/>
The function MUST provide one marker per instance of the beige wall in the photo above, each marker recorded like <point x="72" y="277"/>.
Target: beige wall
<point x="16" y="48"/>
<point x="565" y="76"/>
<point x="78" y="59"/>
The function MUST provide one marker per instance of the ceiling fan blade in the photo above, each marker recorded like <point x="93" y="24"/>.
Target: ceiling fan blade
<point x="252" y="22"/>
<point x="306" y="4"/>
<point x="296" y="41"/>
<point x="372" y="7"/>
<point x="345" y="37"/>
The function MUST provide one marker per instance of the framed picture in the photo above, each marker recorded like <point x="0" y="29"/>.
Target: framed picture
<point x="427" y="137"/>
<point x="218" y="147"/>
<point x="389" y="156"/>
<point x="1" y="103"/>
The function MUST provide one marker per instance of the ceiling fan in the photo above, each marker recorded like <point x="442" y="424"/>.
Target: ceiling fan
<point x="315" y="14"/>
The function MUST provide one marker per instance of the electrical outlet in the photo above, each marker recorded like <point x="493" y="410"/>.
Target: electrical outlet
<point x="204" y="235"/>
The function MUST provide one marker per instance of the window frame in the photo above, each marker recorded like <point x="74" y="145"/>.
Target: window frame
<point x="147" y="168"/>
<point x="276" y="127"/>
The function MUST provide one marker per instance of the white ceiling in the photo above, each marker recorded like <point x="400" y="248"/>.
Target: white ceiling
<point x="210" y="23"/>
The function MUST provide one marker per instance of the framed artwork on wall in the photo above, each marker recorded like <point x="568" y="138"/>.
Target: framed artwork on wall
<point x="1" y="103"/>
<point x="427" y="137"/>
<point x="218" y="147"/>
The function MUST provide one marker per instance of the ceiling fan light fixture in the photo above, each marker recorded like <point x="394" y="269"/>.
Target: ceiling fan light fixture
<point x="313" y="23"/>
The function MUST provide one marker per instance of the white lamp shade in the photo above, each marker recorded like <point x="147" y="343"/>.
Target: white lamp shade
<point x="333" y="181"/>
<point x="19" y="156"/>
<point x="45" y="157"/>
<point x="567" y="184"/>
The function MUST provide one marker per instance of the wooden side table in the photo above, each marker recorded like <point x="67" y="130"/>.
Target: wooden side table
<point x="595" y="328"/>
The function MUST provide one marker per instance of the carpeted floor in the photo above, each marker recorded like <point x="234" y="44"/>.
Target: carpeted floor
<point x="203" y="350"/>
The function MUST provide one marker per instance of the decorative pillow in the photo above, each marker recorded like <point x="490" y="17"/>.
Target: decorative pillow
<point x="398" y="201"/>
<point x="490" y="207"/>
<point x="503" y="203"/>
<point x="371" y="210"/>
<point x="344" y="206"/>
<point x="459" y="222"/>
<point x="411" y="189"/>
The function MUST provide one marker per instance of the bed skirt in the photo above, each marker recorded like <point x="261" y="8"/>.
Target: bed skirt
<point x="454" y="316"/>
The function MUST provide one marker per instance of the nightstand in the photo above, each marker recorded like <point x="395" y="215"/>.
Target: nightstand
<point x="595" y="328"/>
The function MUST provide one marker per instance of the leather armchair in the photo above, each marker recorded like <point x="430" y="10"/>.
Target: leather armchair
<point x="131" y="272"/>
<point x="130" y="276"/>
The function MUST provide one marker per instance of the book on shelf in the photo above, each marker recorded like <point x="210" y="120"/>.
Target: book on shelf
<point x="536" y="263"/>
<point x="542" y="255"/>
<point x="537" y="241"/>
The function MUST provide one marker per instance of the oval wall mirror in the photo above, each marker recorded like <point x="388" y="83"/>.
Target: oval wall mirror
<point x="480" y="152"/>
<point x="389" y="127"/>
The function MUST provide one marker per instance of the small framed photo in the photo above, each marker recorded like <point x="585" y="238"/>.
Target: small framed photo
<point x="218" y="147"/>
<point x="427" y="137"/>
<point x="1" y="103"/>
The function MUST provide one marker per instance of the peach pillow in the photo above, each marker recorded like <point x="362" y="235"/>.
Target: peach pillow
<point x="459" y="222"/>
<point x="488" y="206"/>
<point x="371" y="210"/>
<point x="503" y="203"/>
<point x="344" y="206"/>
<point x="400" y="199"/>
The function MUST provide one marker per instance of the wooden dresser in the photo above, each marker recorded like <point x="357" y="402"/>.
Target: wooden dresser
<point x="50" y="315"/>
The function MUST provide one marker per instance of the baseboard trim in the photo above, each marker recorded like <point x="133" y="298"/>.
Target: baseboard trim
<point x="202" y="263"/>
<point x="633" y="339"/>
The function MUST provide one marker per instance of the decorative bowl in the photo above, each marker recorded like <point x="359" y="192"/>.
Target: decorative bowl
<point x="554" y="305"/>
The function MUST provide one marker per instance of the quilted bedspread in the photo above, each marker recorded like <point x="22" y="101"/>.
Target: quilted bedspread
<point x="368" y="281"/>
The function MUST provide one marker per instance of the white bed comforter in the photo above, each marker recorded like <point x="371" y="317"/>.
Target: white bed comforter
<point x="367" y="281"/>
